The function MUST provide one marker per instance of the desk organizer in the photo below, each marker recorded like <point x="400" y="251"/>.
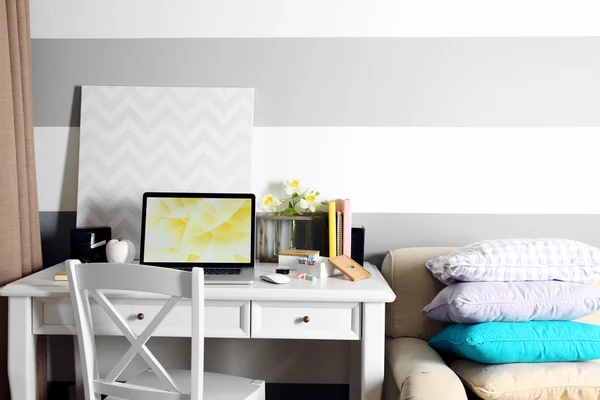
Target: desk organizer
<point x="308" y="262"/>
<point x="320" y="269"/>
<point x="293" y="257"/>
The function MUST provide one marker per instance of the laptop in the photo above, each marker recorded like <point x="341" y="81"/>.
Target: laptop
<point x="214" y="231"/>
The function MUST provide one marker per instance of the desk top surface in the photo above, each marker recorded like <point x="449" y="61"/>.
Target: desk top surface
<point x="373" y="289"/>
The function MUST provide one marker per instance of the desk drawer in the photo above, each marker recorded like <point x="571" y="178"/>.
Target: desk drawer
<point x="305" y="320"/>
<point x="222" y="318"/>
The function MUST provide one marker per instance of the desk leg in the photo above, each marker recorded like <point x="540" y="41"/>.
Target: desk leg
<point x="21" y="349"/>
<point x="355" y="369"/>
<point x="373" y="351"/>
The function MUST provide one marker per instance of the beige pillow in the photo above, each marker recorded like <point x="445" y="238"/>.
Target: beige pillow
<point x="529" y="381"/>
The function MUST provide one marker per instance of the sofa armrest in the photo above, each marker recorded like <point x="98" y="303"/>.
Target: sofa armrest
<point x="420" y="373"/>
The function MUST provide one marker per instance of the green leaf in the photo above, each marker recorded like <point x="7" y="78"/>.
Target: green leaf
<point x="290" y="211"/>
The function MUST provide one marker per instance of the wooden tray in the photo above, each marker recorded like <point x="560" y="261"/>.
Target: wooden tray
<point x="349" y="267"/>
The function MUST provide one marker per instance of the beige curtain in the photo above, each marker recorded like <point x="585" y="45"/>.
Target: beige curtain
<point x="20" y="247"/>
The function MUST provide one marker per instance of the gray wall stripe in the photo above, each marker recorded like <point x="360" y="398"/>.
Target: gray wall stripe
<point x="390" y="231"/>
<point x="343" y="81"/>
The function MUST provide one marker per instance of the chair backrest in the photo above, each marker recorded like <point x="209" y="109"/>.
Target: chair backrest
<point x="90" y="280"/>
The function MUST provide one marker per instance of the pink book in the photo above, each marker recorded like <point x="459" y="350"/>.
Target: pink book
<point x="344" y="206"/>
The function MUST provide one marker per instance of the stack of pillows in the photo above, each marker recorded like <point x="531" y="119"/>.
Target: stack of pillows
<point x="514" y="301"/>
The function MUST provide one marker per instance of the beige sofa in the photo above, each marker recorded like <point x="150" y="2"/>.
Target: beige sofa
<point x="413" y="370"/>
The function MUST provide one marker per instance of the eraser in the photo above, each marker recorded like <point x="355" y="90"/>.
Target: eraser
<point x="311" y="278"/>
<point x="301" y="275"/>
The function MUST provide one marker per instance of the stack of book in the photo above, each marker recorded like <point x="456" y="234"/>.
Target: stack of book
<point x="343" y="238"/>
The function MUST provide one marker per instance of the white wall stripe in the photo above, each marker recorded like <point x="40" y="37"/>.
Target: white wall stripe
<point x="395" y="170"/>
<point x="57" y="161"/>
<point x="438" y="170"/>
<point x="311" y="18"/>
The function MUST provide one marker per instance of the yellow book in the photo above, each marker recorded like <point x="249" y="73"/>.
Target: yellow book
<point x="332" y="229"/>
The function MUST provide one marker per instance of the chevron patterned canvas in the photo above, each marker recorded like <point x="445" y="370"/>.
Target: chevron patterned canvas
<point x="138" y="139"/>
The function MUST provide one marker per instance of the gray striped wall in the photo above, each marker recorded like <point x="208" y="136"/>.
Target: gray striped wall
<point x="373" y="82"/>
<point x="338" y="82"/>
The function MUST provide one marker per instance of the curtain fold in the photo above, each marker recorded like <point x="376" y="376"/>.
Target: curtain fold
<point x="20" y="241"/>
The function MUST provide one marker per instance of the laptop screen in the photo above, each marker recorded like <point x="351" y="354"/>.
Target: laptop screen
<point x="198" y="229"/>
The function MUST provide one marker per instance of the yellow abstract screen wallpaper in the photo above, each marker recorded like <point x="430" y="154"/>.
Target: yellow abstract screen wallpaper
<point x="198" y="230"/>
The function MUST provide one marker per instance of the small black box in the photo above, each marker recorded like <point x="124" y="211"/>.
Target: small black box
<point x="88" y="244"/>
<point x="357" y="250"/>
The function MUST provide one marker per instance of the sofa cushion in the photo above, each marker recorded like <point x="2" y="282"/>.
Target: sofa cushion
<point x="518" y="342"/>
<point x="505" y="260"/>
<point x="419" y="372"/>
<point x="476" y="302"/>
<point x="415" y="287"/>
<point x="573" y="381"/>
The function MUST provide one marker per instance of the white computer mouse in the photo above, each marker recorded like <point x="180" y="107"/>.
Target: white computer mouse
<point x="275" y="278"/>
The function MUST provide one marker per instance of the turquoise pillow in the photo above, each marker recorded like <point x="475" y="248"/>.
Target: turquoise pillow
<point x="520" y="342"/>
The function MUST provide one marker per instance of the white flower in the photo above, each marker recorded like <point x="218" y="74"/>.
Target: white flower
<point x="309" y="200"/>
<point x="269" y="203"/>
<point x="293" y="186"/>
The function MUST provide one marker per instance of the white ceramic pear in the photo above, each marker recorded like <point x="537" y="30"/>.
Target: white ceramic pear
<point x="120" y="251"/>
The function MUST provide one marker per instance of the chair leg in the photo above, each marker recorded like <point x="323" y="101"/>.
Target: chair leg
<point x="79" y="392"/>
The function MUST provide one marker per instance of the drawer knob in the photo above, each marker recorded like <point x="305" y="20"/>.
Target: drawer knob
<point x="306" y="319"/>
<point x="140" y="316"/>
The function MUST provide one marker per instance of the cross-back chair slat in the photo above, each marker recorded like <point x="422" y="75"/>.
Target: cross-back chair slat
<point x="87" y="280"/>
<point x="138" y="345"/>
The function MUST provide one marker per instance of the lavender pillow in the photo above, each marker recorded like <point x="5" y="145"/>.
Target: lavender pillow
<point x="477" y="302"/>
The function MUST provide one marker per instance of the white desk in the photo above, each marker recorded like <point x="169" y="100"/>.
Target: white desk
<point x="330" y="308"/>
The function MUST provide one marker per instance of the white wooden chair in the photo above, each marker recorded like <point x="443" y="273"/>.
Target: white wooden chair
<point x="156" y="383"/>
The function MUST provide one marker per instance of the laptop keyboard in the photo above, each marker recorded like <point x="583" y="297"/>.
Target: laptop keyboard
<point x="222" y="271"/>
<point x="215" y="271"/>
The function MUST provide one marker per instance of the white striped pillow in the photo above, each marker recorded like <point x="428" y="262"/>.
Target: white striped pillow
<point x="509" y="260"/>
